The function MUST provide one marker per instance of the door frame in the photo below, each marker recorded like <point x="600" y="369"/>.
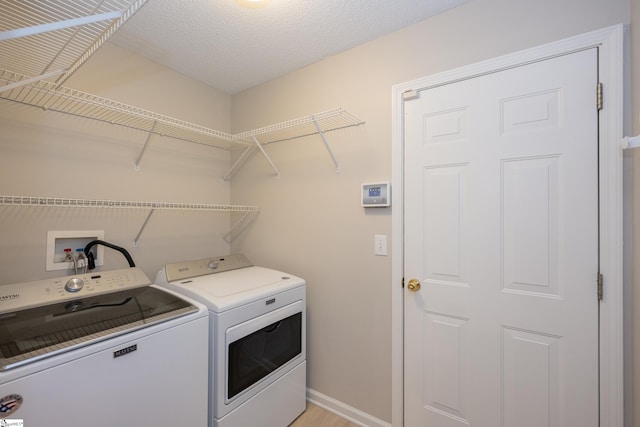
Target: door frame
<point x="610" y="43"/>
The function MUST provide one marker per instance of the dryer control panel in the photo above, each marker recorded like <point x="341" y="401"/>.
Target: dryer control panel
<point x="200" y="267"/>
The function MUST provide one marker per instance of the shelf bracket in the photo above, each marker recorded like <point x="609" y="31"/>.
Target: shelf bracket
<point x="266" y="156"/>
<point x="144" y="147"/>
<point x="242" y="221"/>
<point x="25" y="82"/>
<point x="144" y="224"/>
<point x="249" y="150"/>
<point x="326" y="144"/>
<point x="630" y="142"/>
<point x="60" y="25"/>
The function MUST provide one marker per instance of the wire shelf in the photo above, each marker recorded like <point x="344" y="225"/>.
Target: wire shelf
<point x="39" y="37"/>
<point x="248" y="212"/>
<point x="118" y="204"/>
<point x="46" y="95"/>
<point x="43" y="43"/>
<point x="301" y="127"/>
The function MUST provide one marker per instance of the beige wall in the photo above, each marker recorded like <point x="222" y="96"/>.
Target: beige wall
<point x="311" y="222"/>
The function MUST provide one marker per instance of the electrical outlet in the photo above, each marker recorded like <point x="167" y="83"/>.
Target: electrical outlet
<point x="58" y="241"/>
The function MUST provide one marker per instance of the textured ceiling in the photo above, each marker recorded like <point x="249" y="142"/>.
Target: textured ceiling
<point x="233" y="48"/>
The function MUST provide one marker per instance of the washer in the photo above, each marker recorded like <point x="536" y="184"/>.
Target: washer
<point x="101" y="349"/>
<point x="257" y="346"/>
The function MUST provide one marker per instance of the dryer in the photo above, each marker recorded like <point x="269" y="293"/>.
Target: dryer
<point x="101" y="349"/>
<point x="257" y="345"/>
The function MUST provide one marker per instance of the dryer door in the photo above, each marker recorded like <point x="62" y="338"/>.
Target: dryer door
<point x="260" y="346"/>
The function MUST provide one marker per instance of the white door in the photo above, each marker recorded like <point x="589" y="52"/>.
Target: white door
<point x="501" y="231"/>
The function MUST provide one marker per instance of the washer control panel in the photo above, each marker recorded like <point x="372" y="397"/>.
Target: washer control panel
<point x="200" y="267"/>
<point x="74" y="285"/>
<point x="30" y="294"/>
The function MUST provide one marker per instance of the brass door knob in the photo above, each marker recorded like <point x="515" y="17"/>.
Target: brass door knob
<point x="414" y="285"/>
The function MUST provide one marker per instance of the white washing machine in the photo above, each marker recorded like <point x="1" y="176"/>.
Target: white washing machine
<point x="257" y="350"/>
<point x="102" y="349"/>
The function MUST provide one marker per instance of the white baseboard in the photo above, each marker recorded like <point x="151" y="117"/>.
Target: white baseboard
<point x="347" y="412"/>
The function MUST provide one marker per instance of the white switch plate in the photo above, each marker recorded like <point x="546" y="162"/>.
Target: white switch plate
<point x="380" y="244"/>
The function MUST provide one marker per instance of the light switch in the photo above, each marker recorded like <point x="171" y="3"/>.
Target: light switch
<point x="380" y="244"/>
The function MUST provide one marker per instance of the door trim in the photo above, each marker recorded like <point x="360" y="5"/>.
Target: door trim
<point x="610" y="43"/>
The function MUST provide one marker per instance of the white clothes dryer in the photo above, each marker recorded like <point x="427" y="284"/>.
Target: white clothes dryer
<point x="257" y="345"/>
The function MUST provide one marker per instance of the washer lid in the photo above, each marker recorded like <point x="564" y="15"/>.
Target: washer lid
<point x="34" y="333"/>
<point x="230" y="289"/>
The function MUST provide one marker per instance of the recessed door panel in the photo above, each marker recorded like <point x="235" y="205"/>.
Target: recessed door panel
<point x="444" y="346"/>
<point x="531" y="211"/>
<point x="531" y="369"/>
<point x="445" y="126"/>
<point x="529" y="112"/>
<point x="443" y="232"/>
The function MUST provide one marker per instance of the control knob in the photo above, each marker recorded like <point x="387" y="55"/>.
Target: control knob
<point x="74" y="285"/>
<point x="213" y="264"/>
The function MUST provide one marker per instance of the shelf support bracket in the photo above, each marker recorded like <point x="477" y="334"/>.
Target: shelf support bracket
<point x="144" y="224"/>
<point x="60" y="25"/>
<point x="266" y="156"/>
<point x="25" y="82"/>
<point x="326" y="144"/>
<point x="249" y="150"/>
<point x="227" y="237"/>
<point x="144" y="147"/>
<point x="236" y="165"/>
<point x="630" y="142"/>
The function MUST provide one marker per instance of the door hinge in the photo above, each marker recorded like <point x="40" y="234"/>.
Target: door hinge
<point x="599" y="96"/>
<point x="403" y="283"/>
<point x="600" y="286"/>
